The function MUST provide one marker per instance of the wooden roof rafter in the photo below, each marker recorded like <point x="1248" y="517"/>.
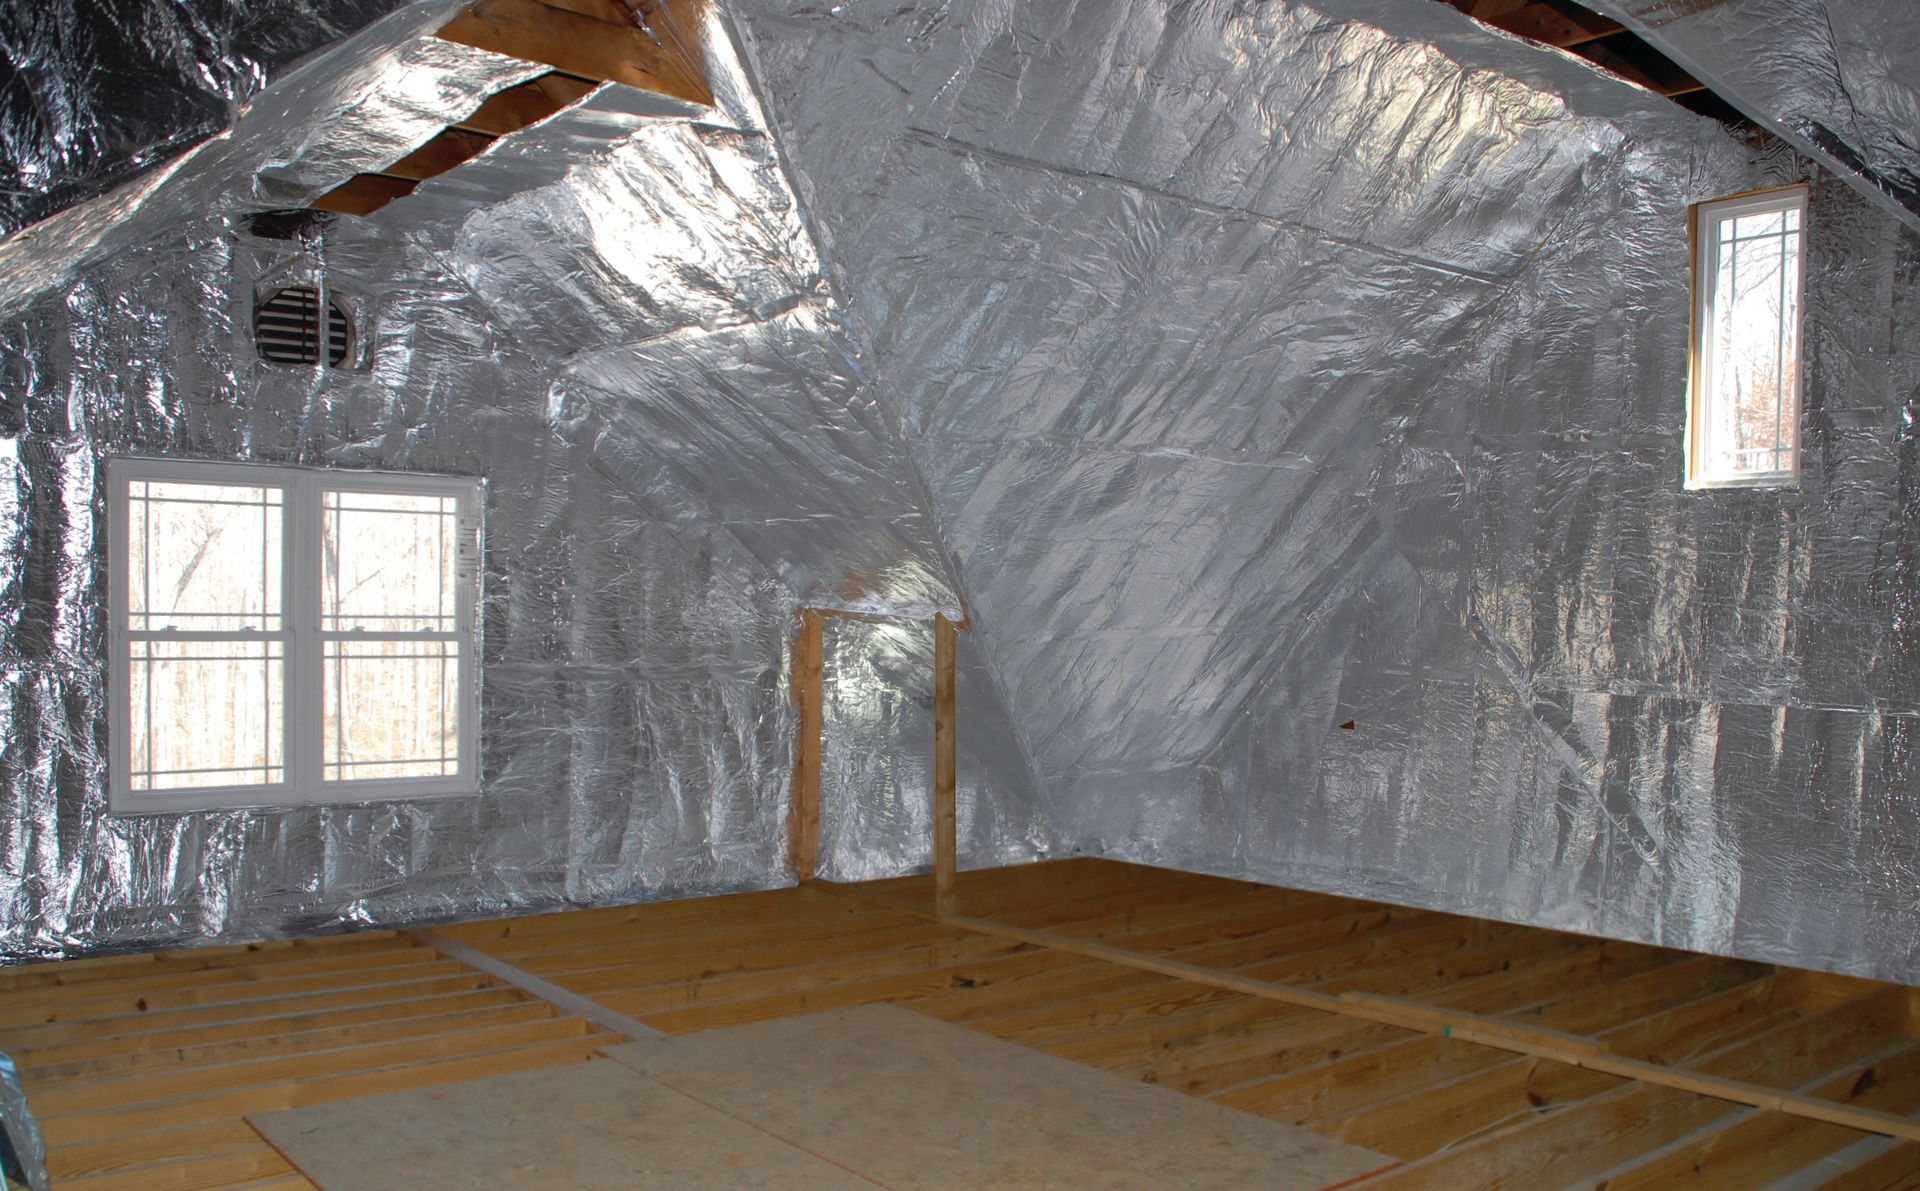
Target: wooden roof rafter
<point x="652" y="45"/>
<point x="1566" y="25"/>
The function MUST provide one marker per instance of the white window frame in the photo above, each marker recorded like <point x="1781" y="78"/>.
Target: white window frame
<point x="1706" y="266"/>
<point x="302" y="667"/>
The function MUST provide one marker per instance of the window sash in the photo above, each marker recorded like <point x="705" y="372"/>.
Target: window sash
<point x="1703" y="458"/>
<point x="303" y="642"/>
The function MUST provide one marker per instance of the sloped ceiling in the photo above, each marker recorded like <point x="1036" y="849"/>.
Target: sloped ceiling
<point x="1838" y="78"/>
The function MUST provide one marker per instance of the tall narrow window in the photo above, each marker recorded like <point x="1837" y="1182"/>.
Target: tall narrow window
<point x="285" y="635"/>
<point x="1743" y="425"/>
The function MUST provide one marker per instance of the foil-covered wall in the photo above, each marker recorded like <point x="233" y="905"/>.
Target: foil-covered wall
<point x="1839" y="78"/>
<point x="876" y="781"/>
<point x="619" y="320"/>
<point x="1274" y="366"/>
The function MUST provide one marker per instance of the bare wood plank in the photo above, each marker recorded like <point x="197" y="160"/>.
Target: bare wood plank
<point x="232" y="977"/>
<point x="1757" y="1147"/>
<point x="526" y="104"/>
<point x="1556" y="27"/>
<point x="77" y="1006"/>
<point x="449" y="148"/>
<point x="646" y="1000"/>
<point x="75" y="972"/>
<point x="803" y="803"/>
<point x="192" y="1174"/>
<point x="268" y="1025"/>
<point x="560" y="998"/>
<point x="88" y="1096"/>
<point x="945" y="766"/>
<point x="1545" y="1044"/>
<point x="140" y="1149"/>
<point x="363" y="194"/>
<point x="1897" y="1169"/>
<point x="38" y="1075"/>
<point x="577" y="44"/>
<point x="1583" y="1140"/>
<point x="271" y="1009"/>
<point x="902" y="945"/>
<point x="899" y="987"/>
<point x="637" y="948"/>
<point x="769" y="911"/>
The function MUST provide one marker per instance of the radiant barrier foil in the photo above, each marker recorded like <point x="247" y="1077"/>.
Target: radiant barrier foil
<point x="618" y="318"/>
<point x="1838" y="78"/>
<point x="101" y="92"/>
<point x="1278" y="366"/>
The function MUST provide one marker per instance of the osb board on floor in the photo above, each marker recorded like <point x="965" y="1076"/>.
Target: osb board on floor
<point x="859" y="1097"/>
<point x="582" y="1127"/>
<point x="909" y="1101"/>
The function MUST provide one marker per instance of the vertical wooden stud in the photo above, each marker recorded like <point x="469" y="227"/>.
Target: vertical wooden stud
<point x="803" y="807"/>
<point x="945" y="767"/>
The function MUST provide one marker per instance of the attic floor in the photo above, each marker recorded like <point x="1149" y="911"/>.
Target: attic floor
<point x="142" y="1069"/>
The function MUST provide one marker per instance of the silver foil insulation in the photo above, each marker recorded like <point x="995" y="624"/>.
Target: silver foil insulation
<point x="1840" y="79"/>
<point x="1278" y="366"/>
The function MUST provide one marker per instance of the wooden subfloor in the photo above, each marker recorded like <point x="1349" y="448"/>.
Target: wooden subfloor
<point x="142" y="1069"/>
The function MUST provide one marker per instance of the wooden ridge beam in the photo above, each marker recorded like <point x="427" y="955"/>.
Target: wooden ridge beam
<point x="616" y="51"/>
<point x="1572" y="1050"/>
<point x="526" y="104"/>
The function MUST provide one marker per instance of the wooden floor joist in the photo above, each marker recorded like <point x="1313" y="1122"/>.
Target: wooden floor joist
<point x="1597" y="1063"/>
<point x="1572" y="1050"/>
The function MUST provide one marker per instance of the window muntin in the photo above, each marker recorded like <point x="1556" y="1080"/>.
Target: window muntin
<point x="285" y="635"/>
<point x="1744" y="416"/>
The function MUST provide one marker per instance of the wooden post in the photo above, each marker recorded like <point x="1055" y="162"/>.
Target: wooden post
<point x="803" y="806"/>
<point x="945" y="767"/>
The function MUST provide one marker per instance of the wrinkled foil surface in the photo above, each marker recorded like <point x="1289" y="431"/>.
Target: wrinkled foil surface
<point x="101" y="92"/>
<point x="1838" y="78"/>
<point x="1248" y="369"/>
<point x="618" y="318"/>
<point x="1275" y="366"/>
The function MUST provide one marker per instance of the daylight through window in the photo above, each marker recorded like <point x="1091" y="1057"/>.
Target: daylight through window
<point x="1744" y="420"/>
<point x="283" y="635"/>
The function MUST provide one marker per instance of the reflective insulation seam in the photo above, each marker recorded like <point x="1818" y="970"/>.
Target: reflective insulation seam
<point x="1274" y="366"/>
<point x="619" y="319"/>
<point x="1838" y="78"/>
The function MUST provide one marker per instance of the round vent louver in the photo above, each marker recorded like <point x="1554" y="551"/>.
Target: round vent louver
<point x="286" y="327"/>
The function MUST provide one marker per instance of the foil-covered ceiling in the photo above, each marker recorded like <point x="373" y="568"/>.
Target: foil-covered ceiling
<point x="1239" y="370"/>
<point x="1838" y="78"/>
<point x="97" y="93"/>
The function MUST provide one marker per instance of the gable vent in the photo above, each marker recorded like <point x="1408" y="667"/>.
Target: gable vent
<point x="286" y="328"/>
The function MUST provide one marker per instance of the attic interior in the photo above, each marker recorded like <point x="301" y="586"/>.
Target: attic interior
<point x="1316" y="594"/>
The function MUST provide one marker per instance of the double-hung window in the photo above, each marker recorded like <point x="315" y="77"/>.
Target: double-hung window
<point x="1743" y="422"/>
<point x="282" y="635"/>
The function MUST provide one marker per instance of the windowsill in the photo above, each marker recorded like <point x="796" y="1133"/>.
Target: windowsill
<point x="1778" y="481"/>
<point x="281" y="798"/>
